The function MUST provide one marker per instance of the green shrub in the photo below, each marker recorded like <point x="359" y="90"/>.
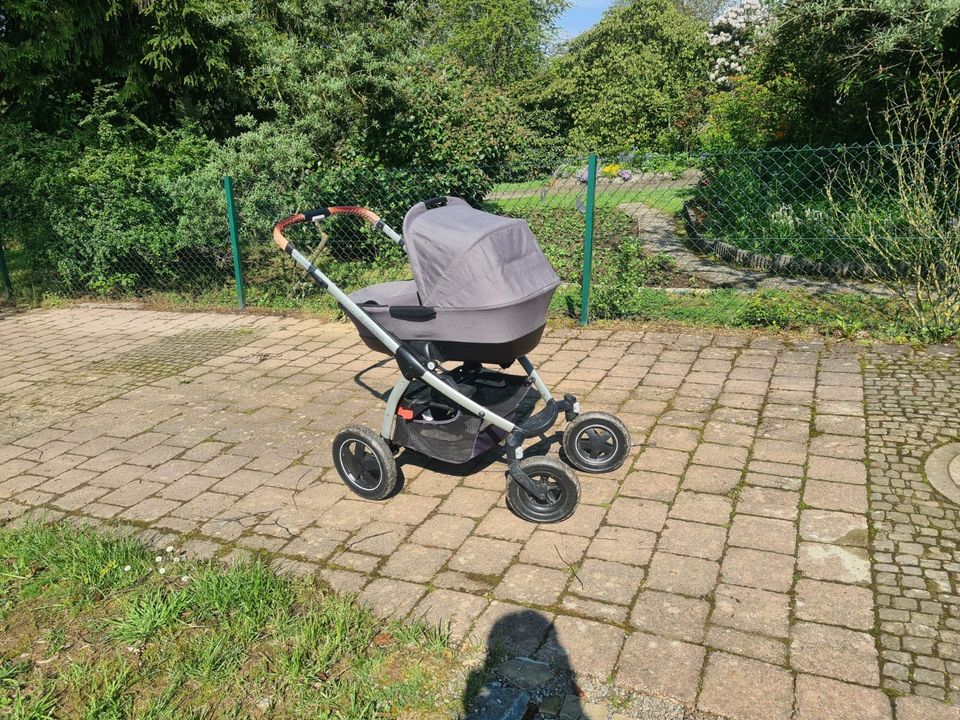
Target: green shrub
<point x="753" y="114"/>
<point x="768" y="309"/>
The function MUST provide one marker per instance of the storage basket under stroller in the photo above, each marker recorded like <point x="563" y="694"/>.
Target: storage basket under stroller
<point x="431" y="424"/>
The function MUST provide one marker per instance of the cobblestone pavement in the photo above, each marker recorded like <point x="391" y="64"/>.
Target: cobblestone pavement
<point x="744" y="562"/>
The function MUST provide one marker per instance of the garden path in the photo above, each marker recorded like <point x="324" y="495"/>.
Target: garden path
<point x="658" y="231"/>
<point x="771" y="550"/>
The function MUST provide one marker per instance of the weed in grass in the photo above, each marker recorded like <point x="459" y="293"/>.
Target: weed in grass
<point x="213" y="656"/>
<point x="146" y="614"/>
<point x="40" y="707"/>
<point x="105" y="693"/>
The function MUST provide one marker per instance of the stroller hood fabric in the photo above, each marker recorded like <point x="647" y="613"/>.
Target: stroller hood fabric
<point x="466" y="258"/>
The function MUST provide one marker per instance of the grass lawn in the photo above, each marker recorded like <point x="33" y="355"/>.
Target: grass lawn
<point x="669" y="200"/>
<point x="91" y="628"/>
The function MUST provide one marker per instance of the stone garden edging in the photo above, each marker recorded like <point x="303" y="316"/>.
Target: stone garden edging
<point x="778" y="263"/>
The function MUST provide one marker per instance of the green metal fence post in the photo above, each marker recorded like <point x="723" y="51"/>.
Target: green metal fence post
<point x="588" y="240"/>
<point x="234" y="242"/>
<point x="5" y="276"/>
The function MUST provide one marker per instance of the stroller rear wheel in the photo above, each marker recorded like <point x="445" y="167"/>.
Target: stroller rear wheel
<point x="596" y="442"/>
<point x="365" y="462"/>
<point x="563" y="491"/>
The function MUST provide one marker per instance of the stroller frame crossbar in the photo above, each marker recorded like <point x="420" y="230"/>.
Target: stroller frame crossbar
<point x="542" y="489"/>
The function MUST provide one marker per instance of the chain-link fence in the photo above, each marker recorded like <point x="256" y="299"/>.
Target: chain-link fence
<point x="823" y="219"/>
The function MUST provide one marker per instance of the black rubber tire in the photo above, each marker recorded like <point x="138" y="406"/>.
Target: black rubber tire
<point x="596" y="442"/>
<point x="564" y="491"/>
<point x="365" y="462"/>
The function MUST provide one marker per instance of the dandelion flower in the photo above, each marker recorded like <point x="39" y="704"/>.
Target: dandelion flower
<point x="169" y="548"/>
<point x="185" y="578"/>
<point x="126" y="568"/>
<point x="162" y="571"/>
<point x="158" y="559"/>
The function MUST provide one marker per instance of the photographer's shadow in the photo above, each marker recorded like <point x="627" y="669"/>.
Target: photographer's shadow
<point x="525" y="674"/>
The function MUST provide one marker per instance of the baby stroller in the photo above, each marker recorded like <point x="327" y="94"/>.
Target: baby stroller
<point x="480" y="295"/>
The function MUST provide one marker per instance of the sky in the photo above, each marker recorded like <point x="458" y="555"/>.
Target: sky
<point x="581" y="15"/>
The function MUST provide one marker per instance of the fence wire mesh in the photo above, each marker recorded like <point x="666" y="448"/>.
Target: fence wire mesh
<point x="823" y="219"/>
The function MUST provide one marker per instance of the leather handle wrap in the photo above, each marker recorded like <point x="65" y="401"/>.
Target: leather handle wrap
<point x="368" y="215"/>
<point x="278" y="229"/>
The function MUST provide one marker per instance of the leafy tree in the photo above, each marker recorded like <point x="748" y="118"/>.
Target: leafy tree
<point x="853" y="54"/>
<point x="635" y="79"/>
<point x="502" y="39"/>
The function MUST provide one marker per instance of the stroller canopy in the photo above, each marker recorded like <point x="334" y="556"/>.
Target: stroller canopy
<point x="466" y="258"/>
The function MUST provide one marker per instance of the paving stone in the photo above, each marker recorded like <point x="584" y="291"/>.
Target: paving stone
<point x="837" y="470"/>
<point x="824" y="699"/>
<point x="503" y="524"/>
<point x="525" y="673"/>
<point x="650" y="485"/>
<point x="750" y="645"/>
<point x="641" y="514"/>
<point x="758" y="569"/>
<point x="150" y="510"/>
<point x="446" y="531"/>
<point x="484" y="556"/>
<point x="588" y="648"/>
<point x="391" y="598"/>
<point x="606" y="581"/>
<point x="453" y="612"/>
<point x="378" y="538"/>
<point x="623" y="545"/>
<point x="684" y="575"/>
<point x="834" y="652"/>
<point x="469" y="502"/>
<point x="763" y="534"/>
<point x="584" y="521"/>
<point x="751" y="610"/>
<point x="833" y="562"/>
<point x="680" y="537"/>
<point x="531" y="585"/>
<point x="416" y="563"/>
<point x="670" y="616"/>
<point x="593" y="609"/>
<point x="654" y="665"/>
<point x="834" y="604"/>
<point x="513" y="628"/>
<point x="837" y="528"/>
<point x="738" y="687"/>
<point x="553" y="549"/>
<point x="768" y="502"/>
<point x="835" y="496"/>
<point x="315" y="543"/>
<point x="701" y="507"/>
<point x="722" y="456"/>
<point x="717" y="480"/>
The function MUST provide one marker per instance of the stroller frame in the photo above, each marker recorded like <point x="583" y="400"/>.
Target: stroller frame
<point x="413" y="367"/>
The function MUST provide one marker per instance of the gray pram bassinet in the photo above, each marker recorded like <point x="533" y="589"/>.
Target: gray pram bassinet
<point x="481" y="286"/>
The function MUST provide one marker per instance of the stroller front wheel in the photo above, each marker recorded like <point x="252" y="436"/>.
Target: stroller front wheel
<point x="596" y="442"/>
<point x="365" y="462"/>
<point x="563" y="491"/>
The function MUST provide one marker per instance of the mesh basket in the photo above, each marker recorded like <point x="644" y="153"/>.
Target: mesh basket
<point x="442" y="430"/>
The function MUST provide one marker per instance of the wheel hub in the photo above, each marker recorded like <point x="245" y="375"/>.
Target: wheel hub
<point x="596" y="443"/>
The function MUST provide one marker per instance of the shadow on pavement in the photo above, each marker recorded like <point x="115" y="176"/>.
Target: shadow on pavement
<point x="526" y="673"/>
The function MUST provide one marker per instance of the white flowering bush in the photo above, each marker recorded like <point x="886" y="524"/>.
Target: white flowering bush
<point x="733" y="35"/>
